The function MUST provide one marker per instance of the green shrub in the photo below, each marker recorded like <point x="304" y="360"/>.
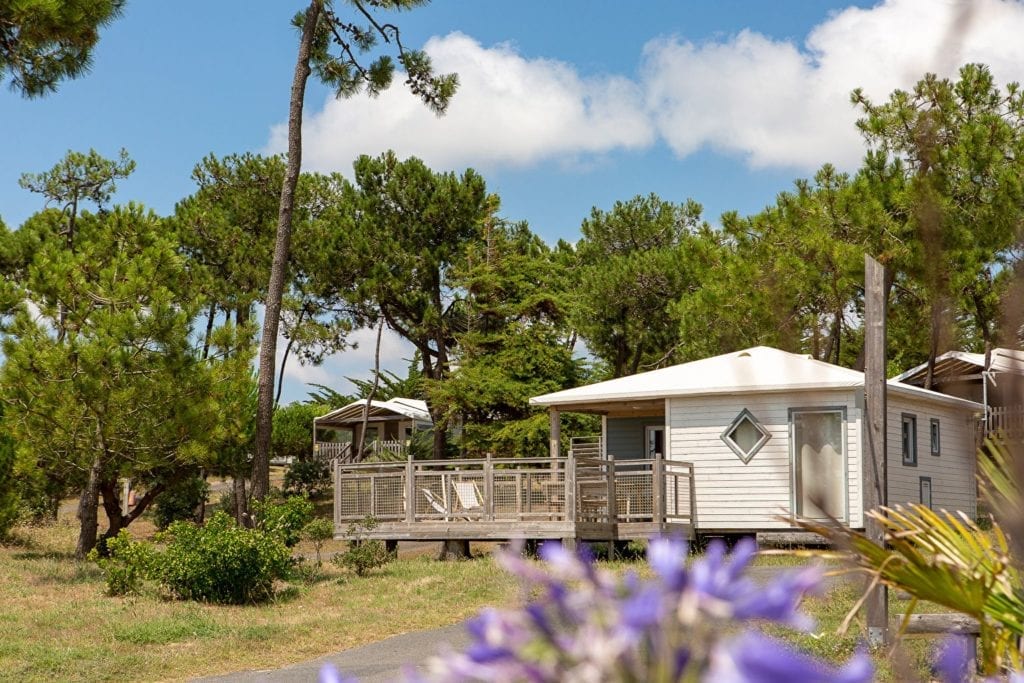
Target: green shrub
<point x="221" y="562"/>
<point x="10" y="505"/>
<point x="127" y="564"/>
<point x="318" y="532"/>
<point x="180" y="501"/>
<point x="363" y="554"/>
<point x="310" y="477"/>
<point x="284" y="520"/>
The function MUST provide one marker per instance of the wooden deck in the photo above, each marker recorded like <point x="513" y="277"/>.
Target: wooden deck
<point x="585" y="498"/>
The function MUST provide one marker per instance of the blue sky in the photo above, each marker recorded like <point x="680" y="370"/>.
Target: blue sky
<point x="563" y="106"/>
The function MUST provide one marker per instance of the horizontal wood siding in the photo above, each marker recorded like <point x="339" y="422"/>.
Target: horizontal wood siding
<point x="736" y="496"/>
<point x="626" y="436"/>
<point x="951" y="472"/>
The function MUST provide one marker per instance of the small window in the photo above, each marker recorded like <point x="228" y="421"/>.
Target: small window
<point x="926" y="492"/>
<point x="909" y="440"/>
<point x="936" y="433"/>
<point x="745" y="436"/>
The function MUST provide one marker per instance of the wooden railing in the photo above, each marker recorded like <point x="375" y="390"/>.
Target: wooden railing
<point x="587" y="446"/>
<point x="1006" y="419"/>
<point x="491" y="489"/>
<point x="565" y="489"/>
<point x="343" y="451"/>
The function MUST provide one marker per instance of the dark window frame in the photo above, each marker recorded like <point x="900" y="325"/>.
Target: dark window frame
<point x="935" y="436"/>
<point x="908" y="447"/>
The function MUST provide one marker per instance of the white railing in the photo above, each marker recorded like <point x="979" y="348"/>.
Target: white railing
<point x="343" y="451"/>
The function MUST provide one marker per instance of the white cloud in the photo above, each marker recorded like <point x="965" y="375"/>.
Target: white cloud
<point x="509" y="111"/>
<point x="357" y="362"/>
<point x="772" y="103"/>
<point x="775" y="103"/>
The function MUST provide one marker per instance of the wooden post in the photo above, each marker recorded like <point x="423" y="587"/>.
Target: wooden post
<point x="570" y="497"/>
<point x="410" y="490"/>
<point x="488" y="488"/>
<point x="613" y="512"/>
<point x="693" y="498"/>
<point x="555" y="442"/>
<point x="658" y="489"/>
<point x="875" y="470"/>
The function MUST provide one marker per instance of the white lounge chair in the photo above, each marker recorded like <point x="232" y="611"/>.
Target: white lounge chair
<point x="468" y="495"/>
<point x="436" y="503"/>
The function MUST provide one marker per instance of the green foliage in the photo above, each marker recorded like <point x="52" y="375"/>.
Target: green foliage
<point x="422" y="221"/>
<point x="635" y="262"/>
<point x="104" y="375"/>
<point x="352" y="67"/>
<point x="318" y="532"/>
<point x="285" y="519"/>
<point x="221" y="562"/>
<point x="127" y="564"/>
<point x="293" y="429"/>
<point x="516" y="342"/>
<point x="363" y="555"/>
<point x="43" y="43"/>
<point x="180" y="501"/>
<point x="10" y="502"/>
<point x="309" y="478"/>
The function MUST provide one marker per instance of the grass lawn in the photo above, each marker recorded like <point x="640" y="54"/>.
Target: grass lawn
<point x="56" y="623"/>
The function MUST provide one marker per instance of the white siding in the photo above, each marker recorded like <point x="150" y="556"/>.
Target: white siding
<point x="951" y="472"/>
<point x="736" y="496"/>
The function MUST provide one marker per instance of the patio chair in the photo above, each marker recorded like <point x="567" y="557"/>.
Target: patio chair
<point x="469" y="496"/>
<point x="436" y="503"/>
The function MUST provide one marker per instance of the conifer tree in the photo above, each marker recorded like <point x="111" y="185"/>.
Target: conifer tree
<point x="43" y="42"/>
<point x="339" y="48"/>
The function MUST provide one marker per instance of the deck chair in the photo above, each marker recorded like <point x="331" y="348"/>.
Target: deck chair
<point x="436" y="503"/>
<point x="469" y="496"/>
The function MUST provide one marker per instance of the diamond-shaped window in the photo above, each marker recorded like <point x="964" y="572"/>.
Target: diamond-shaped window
<point x="745" y="436"/>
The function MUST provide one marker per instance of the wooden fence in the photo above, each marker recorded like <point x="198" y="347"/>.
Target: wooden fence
<point x="502" y="498"/>
<point x="1006" y="419"/>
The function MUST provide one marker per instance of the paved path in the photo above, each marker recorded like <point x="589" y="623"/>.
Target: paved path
<point x="374" y="663"/>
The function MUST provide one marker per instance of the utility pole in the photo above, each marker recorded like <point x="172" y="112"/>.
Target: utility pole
<point x="875" y="471"/>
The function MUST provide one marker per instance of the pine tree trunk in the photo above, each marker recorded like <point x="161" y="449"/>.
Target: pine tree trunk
<point x="279" y="267"/>
<point x="112" y="506"/>
<point x="241" y="504"/>
<point x="88" y="505"/>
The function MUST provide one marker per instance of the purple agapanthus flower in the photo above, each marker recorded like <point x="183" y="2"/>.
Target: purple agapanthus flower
<point x="754" y="658"/>
<point x="588" y="624"/>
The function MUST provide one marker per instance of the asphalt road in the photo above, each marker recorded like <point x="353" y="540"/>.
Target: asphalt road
<point x="374" y="663"/>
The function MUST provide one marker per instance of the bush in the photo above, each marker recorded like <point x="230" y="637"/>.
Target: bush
<point x="309" y="477"/>
<point x="128" y="563"/>
<point x="362" y="554"/>
<point x="221" y="562"/>
<point x="285" y="520"/>
<point x="10" y="506"/>
<point x="180" y="501"/>
<point x="318" y="532"/>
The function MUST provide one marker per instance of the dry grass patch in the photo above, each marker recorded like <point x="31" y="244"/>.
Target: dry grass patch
<point x="56" y="623"/>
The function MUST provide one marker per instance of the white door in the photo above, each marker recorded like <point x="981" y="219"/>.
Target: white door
<point x="819" y="462"/>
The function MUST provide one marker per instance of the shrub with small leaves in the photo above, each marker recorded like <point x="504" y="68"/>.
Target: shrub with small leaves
<point x="180" y="501"/>
<point x="363" y="554"/>
<point x="318" y="532"/>
<point x="310" y="477"/>
<point x="222" y="562"/>
<point x="127" y="565"/>
<point x="286" y="519"/>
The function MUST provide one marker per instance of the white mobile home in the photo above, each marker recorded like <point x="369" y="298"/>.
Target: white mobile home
<point x="770" y="434"/>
